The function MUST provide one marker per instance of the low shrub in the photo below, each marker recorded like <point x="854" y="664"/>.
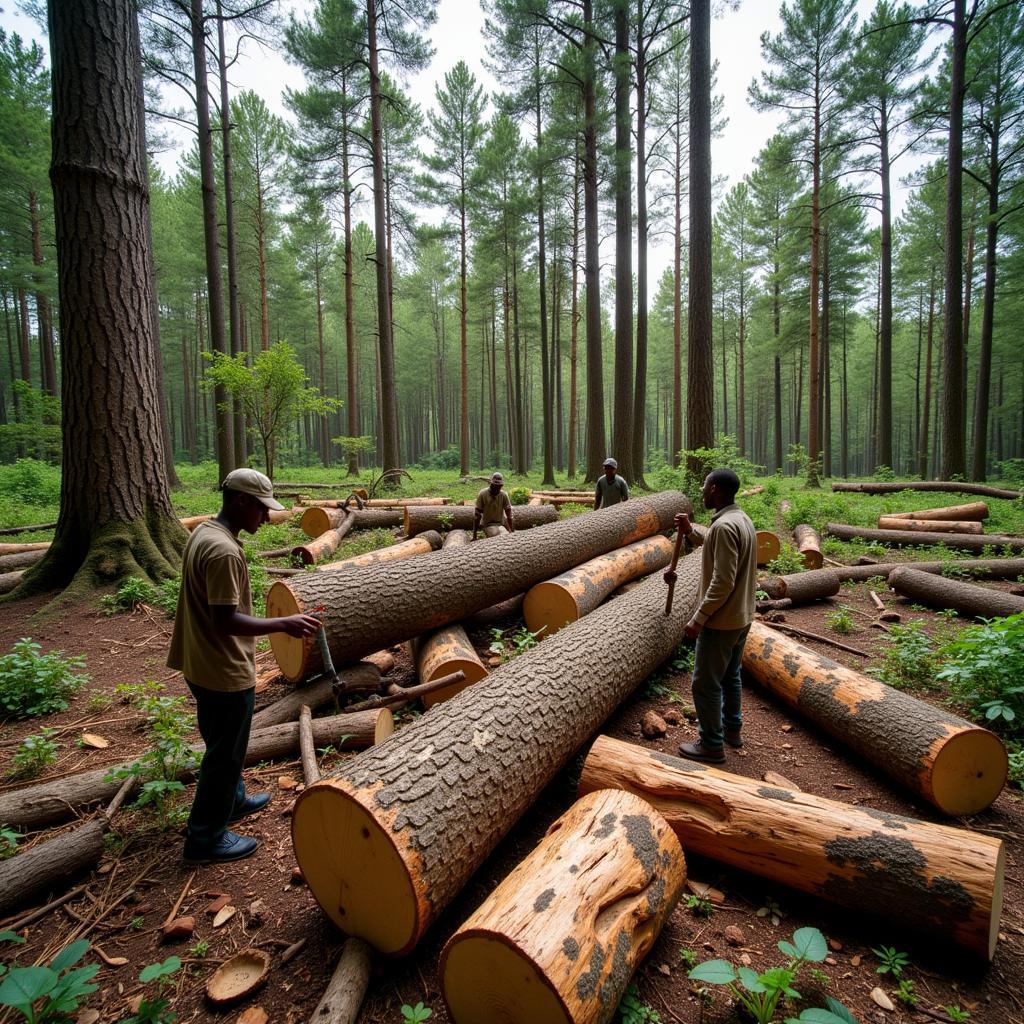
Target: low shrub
<point x="33" y="683"/>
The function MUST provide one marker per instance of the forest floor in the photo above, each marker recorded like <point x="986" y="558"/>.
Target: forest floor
<point x="141" y="875"/>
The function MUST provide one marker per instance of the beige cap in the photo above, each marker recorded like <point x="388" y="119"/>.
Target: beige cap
<point x="252" y="481"/>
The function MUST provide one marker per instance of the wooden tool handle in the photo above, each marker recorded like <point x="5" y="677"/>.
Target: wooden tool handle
<point x="672" y="568"/>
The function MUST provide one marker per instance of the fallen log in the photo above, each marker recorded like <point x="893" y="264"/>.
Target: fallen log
<point x="421" y="544"/>
<point x="10" y="531"/>
<point x="362" y="677"/>
<point x="751" y="491"/>
<point x="396" y="694"/>
<point x="325" y="545"/>
<point x="958" y="767"/>
<point x="948" y="486"/>
<point x="389" y="503"/>
<point x="976" y="568"/>
<point x="974" y="511"/>
<point x="943" y="592"/>
<point x="433" y="590"/>
<point x="49" y="803"/>
<point x="802" y="587"/>
<point x="417" y="817"/>
<point x="487" y="617"/>
<point x="558" y="500"/>
<point x="935" y="526"/>
<point x="316" y="521"/>
<point x="460" y="517"/>
<point x="24" y="560"/>
<point x="559" y="939"/>
<point x="768" y="547"/>
<point x="565" y="493"/>
<point x="555" y="603"/>
<point x="964" y="541"/>
<point x="915" y="874"/>
<point x="20" y="549"/>
<point x="808" y="543"/>
<point x="347" y="988"/>
<point x="9" y="580"/>
<point x="454" y="538"/>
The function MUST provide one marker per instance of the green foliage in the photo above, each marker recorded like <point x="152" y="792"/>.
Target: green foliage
<point x="448" y="458"/>
<point x="883" y="474"/>
<point x="835" y="1013"/>
<point x="30" y="482"/>
<point x="519" y="640"/>
<point x="688" y="957"/>
<point x="33" y="683"/>
<point x="956" y="1014"/>
<point x="700" y="906"/>
<point x="415" y="1014"/>
<point x="156" y="1008"/>
<point x="53" y="992"/>
<point x="519" y="495"/>
<point x="817" y="509"/>
<point x="36" y="432"/>
<point x="891" y="960"/>
<point x="788" y="560"/>
<point x="1015" y="757"/>
<point x="905" y="992"/>
<point x="35" y="754"/>
<point x="8" y="842"/>
<point x="803" y="467"/>
<point x="908" y="661"/>
<point x="359" y="447"/>
<point x="200" y="949"/>
<point x="724" y="454"/>
<point x="879" y="584"/>
<point x="129" y="596"/>
<point x="633" y="1011"/>
<point x="840" y="620"/>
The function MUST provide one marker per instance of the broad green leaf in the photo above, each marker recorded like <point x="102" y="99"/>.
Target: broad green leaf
<point x="749" y="980"/>
<point x="810" y="944"/>
<point x="24" y="985"/>
<point x="842" y="1012"/>
<point x="11" y="937"/>
<point x="714" y="972"/>
<point x="70" y="955"/>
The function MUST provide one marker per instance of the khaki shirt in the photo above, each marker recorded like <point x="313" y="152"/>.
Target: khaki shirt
<point x="492" y="506"/>
<point x="611" y="493"/>
<point x="728" y="571"/>
<point x="213" y="572"/>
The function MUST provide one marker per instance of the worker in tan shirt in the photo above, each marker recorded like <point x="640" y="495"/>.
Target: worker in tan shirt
<point x="492" y="506"/>
<point x="728" y="587"/>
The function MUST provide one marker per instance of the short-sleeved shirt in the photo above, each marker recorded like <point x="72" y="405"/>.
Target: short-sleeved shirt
<point x="492" y="506"/>
<point x="612" y="493"/>
<point x="213" y="572"/>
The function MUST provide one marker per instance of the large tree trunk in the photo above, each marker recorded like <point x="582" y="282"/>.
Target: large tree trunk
<point x="559" y="939"/>
<point x="949" y="486"/>
<point x="965" y="541"/>
<point x="460" y="517"/>
<point x="932" y="525"/>
<point x="939" y="591"/>
<point x="914" y="874"/>
<point x="974" y="511"/>
<point x="802" y="587"/>
<point x="116" y="517"/>
<point x="560" y="601"/>
<point x="432" y="591"/>
<point x="416" y="821"/>
<point x="958" y="767"/>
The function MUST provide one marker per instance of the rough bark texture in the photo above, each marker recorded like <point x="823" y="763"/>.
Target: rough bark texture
<point x="433" y="590"/>
<point x="24" y="560"/>
<point x="802" y="587"/>
<point x="942" y="592"/>
<point x="561" y="936"/>
<point x="976" y="568"/>
<point x="363" y="675"/>
<point x="421" y="544"/>
<point x="808" y="543"/>
<point x="344" y="995"/>
<point x="956" y="766"/>
<point x="416" y="818"/>
<point x="949" y="486"/>
<point x="964" y="541"/>
<point x="460" y="517"/>
<point x="974" y="511"/>
<point x="930" y="525"/>
<point x="914" y="874"/>
<point x="318" y="520"/>
<point x="48" y="803"/>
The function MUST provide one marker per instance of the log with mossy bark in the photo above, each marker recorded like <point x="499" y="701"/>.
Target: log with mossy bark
<point x="387" y="842"/>
<point x="930" y="525"/>
<point x="946" y="486"/>
<point x="913" y="874"/>
<point x="45" y="803"/>
<point x="943" y="592"/>
<point x="802" y="587"/>
<point x="808" y="543"/>
<point x="897" y="538"/>
<point x="461" y="517"/>
<point x="318" y="521"/>
<point x="421" y="544"/>
<point x="972" y="511"/>
<point x="373" y="607"/>
<point x="559" y="939"/>
<point x="557" y="602"/>
<point x="958" y="767"/>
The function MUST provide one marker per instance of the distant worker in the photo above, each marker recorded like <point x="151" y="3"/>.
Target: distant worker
<point x="728" y="587"/>
<point x="611" y="488"/>
<point x="492" y="506"/>
<point x="214" y="647"/>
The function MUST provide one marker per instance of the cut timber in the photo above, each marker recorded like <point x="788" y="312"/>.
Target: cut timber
<point x="460" y="517"/>
<point x="965" y="541"/>
<point x="20" y="549"/>
<point x="976" y="568"/>
<point x="535" y="501"/>
<point x="561" y="936"/>
<point x="48" y="803"/>
<point x="345" y="992"/>
<point x="325" y="545"/>
<point x="957" y="766"/>
<point x="307" y="748"/>
<point x="10" y="531"/>
<point x="555" y="603"/>
<point x="9" y="580"/>
<point x="419" y="545"/>
<point x="942" y="592"/>
<point x="948" y="486"/>
<point x="751" y="491"/>
<point x="808" y="543"/>
<point x="362" y="677"/>
<point x="974" y="511"/>
<point x="442" y="652"/>
<point x="558" y="500"/>
<point x="935" y="526"/>
<point x="387" y="842"/>
<point x="317" y="521"/>
<point x="930" y="878"/>
<point x="191" y="522"/>
<point x="487" y="617"/>
<point x="803" y="587"/>
<point x="768" y="547"/>
<point x="24" y="560"/>
<point x="454" y="538"/>
<point x="424" y="593"/>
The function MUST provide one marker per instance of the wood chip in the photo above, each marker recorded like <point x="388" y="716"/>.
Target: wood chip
<point x="88" y="1016"/>
<point x="95" y="741"/>
<point x="835" y="944"/>
<point x="842" y="785"/>
<point x="734" y="935"/>
<point x="855" y="961"/>
<point x="293" y="950"/>
<point x="879" y="998"/>
<point x="297" y="876"/>
<point x="218" y="904"/>
<point x="286" y="782"/>
<point x="254" y="1015"/>
<point x="705" y="891"/>
<point x="665" y="969"/>
<point x="180" y="928"/>
<point x="786" y="728"/>
<point x="224" y="915"/>
<point x="775" y="779"/>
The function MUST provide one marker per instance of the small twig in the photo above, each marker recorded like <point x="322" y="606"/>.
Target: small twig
<point x="181" y="899"/>
<point x="307" y="751"/>
<point x="402" y="695"/>
<point x="819" y="638"/>
<point x="16" y="924"/>
<point x="119" y="798"/>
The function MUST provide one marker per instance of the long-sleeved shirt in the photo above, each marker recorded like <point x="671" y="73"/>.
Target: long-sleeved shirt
<point x="728" y="574"/>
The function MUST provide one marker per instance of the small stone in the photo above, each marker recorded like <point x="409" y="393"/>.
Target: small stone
<point x="665" y="969"/>
<point x="787" y="746"/>
<point x="653" y="725"/>
<point x="734" y="935"/>
<point x="856" y="961"/>
<point x="254" y="1015"/>
<point x="286" y="782"/>
<point x="745" y="959"/>
<point x="179" y="929"/>
<point x="831" y="961"/>
<point x="786" y="728"/>
<point x="257" y="913"/>
<point x="218" y="904"/>
<point x="298" y="878"/>
<point x="673" y="717"/>
<point x="879" y="998"/>
<point x="835" y="944"/>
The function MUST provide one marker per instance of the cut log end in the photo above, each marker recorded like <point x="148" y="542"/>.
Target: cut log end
<point x="969" y="772"/>
<point x="768" y="547"/>
<point x="292" y="653"/>
<point x="548" y="607"/>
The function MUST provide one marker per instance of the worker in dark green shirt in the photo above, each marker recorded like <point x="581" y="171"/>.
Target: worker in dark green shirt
<point x="611" y="488"/>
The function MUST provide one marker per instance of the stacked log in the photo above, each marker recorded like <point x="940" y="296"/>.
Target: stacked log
<point x="560" y="601"/>
<point x="461" y="517"/>
<point x="808" y="543"/>
<point x="411" y="821"/>
<point x="317" y="520"/>
<point x="431" y="591"/>
<point x="977" y="568"/>
<point x="973" y="511"/>
<point x="768" y="547"/>
<point x="559" y="939"/>
<point x="802" y="587"/>
<point x="942" y="592"/>
<point x="362" y="676"/>
<point x="22" y="560"/>
<point x="20" y="549"/>
<point x="965" y="541"/>
<point x="954" y="765"/>
<point x="419" y="545"/>
<point x="949" y="486"/>
<point x="930" y="878"/>
<point x="935" y="526"/>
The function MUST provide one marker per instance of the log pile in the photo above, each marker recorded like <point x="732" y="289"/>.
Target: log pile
<point x="943" y="592"/>
<point x="460" y="517"/>
<point x="949" y="486"/>
<point x="976" y="568"/>
<point x="421" y="544"/>
<point x="964" y="541"/>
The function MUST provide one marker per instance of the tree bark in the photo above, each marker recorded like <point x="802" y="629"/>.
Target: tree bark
<point x="914" y="874"/>
<point x="421" y="544"/>
<point x="957" y="767"/>
<point x="808" y="543"/>
<point x="973" y="511"/>
<point x="10" y="580"/>
<point x="363" y="676"/>
<point x="948" y="486"/>
<point x="418" y="819"/>
<point x="343" y="998"/>
<point x="977" y="568"/>
<point x="560" y="937"/>
<point x="802" y="587"/>
<point x="938" y="591"/>
<point x="935" y="526"/>
<point x="460" y="517"/>
<point x="317" y="520"/>
<point x="964" y="541"/>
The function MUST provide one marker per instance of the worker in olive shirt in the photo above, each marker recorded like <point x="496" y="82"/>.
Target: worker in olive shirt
<point x="728" y="587"/>
<point x="611" y="488"/>
<point x="493" y="505"/>
<point x="213" y="645"/>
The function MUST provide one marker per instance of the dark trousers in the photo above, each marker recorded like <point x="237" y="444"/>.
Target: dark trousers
<point x="717" y="689"/>
<point x="224" y="720"/>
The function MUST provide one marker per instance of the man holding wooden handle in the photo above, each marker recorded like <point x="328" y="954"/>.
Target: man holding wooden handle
<point x="728" y="586"/>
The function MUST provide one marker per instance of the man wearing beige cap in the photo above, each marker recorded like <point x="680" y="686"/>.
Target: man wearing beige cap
<point x="214" y="647"/>
<point x="493" y="505"/>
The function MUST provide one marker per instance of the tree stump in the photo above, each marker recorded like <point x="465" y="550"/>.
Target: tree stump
<point x="808" y="543"/>
<point x="942" y="592"/>
<point x="958" y="767"/>
<point x="929" y="525"/>
<point x="561" y="936"/>
<point x="930" y="878"/>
